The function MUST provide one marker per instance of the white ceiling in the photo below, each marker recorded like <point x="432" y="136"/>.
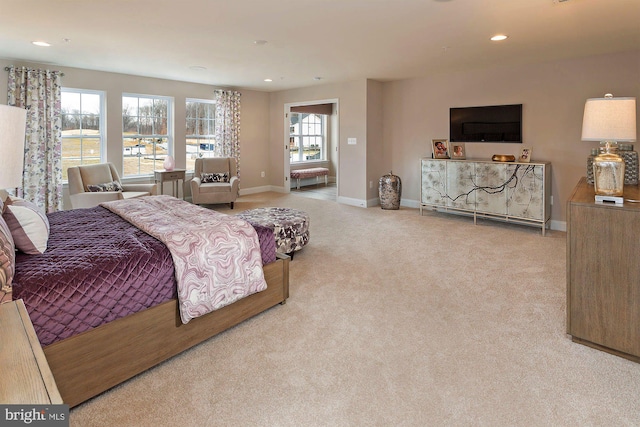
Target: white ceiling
<point x="337" y="40"/>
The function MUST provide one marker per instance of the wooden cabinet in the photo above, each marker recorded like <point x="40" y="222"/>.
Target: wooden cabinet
<point x="514" y="192"/>
<point x="26" y="377"/>
<point x="603" y="274"/>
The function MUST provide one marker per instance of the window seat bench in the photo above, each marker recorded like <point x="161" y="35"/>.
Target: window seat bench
<point x="299" y="174"/>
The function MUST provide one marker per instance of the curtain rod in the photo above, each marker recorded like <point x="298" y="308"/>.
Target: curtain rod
<point x="8" y="68"/>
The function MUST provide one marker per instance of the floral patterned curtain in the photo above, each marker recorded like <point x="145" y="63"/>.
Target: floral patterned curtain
<point x="39" y="92"/>
<point x="227" y="131"/>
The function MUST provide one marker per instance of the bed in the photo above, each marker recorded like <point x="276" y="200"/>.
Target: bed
<point x="92" y="346"/>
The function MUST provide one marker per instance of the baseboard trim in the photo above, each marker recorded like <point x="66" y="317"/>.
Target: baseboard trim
<point x="409" y="203"/>
<point x="254" y="190"/>
<point x="558" y="225"/>
<point x="353" y="202"/>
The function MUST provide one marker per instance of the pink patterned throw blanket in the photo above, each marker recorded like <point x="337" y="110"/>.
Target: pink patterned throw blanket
<point x="216" y="256"/>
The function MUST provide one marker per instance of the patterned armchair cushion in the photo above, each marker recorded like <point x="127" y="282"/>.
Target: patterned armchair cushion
<point x="107" y="186"/>
<point x="29" y="227"/>
<point x="214" y="177"/>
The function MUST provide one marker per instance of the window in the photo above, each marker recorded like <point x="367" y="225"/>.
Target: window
<point x="200" y="130"/>
<point x="146" y="133"/>
<point x="307" y="137"/>
<point x="83" y="135"/>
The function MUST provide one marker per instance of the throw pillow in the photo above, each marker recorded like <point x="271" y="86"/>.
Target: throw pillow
<point x="107" y="186"/>
<point x="29" y="226"/>
<point x="7" y="260"/>
<point x="214" y="177"/>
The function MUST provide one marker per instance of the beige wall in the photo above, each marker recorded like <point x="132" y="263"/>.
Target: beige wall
<point x="394" y="122"/>
<point x="376" y="165"/>
<point x="553" y="96"/>
<point x="359" y="166"/>
<point x="254" y="142"/>
<point x="254" y="139"/>
<point x="352" y="124"/>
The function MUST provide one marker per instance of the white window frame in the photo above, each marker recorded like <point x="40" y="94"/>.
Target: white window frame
<point x="298" y="134"/>
<point x="203" y="138"/>
<point x="101" y="135"/>
<point x="154" y="139"/>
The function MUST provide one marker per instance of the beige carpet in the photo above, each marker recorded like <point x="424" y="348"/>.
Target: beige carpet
<point x="394" y="319"/>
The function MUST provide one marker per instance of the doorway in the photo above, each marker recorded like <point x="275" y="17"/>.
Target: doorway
<point x="303" y="146"/>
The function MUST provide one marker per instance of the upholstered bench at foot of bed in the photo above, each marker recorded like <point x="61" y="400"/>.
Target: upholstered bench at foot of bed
<point x="309" y="173"/>
<point x="290" y="226"/>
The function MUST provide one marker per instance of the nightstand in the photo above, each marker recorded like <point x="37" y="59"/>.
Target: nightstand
<point x="26" y="377"/>
<point x="173" y="175"/>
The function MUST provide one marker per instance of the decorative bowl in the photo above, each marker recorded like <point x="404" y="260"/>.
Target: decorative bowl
<point x="503" y="158"/>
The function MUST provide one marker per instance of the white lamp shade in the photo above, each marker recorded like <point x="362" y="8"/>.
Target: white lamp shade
<point x="12" y="130"/>
<point x="609" y="119"/>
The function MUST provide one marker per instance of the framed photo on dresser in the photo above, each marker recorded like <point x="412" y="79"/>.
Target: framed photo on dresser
<point x="457" y="151"/>
<point x="440" y="148"/>
<point x="525" y="155"/>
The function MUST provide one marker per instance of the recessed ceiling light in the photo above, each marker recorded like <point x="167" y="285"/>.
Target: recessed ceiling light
<point x="268" y="80"/>
<point x="39" y="43"/>
<point x="259" y="42"/>
<point x="317" y="78"/>
<point x="498" y="37"/>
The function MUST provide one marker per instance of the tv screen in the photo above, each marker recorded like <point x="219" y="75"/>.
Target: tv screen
<point x="496" y="123"/>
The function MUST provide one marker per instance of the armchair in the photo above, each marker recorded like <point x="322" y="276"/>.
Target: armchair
<point x="219" y="191"/>
<point x="83" y="176"/>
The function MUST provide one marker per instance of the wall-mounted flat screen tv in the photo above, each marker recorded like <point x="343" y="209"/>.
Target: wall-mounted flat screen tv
<point x="496" y="123"/>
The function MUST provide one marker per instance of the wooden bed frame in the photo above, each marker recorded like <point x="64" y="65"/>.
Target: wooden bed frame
<point x="92" y="362"/>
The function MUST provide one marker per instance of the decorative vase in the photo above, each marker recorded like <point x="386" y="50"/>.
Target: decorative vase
<point x="169" y="163"/>
<point x="390" y="191"/>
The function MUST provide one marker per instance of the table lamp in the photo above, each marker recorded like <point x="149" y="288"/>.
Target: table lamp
<point x="12" y="132"/>
<point x="609" y="120"/>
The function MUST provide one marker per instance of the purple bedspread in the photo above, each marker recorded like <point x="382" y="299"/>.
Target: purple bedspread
<point x="97" y="268"/>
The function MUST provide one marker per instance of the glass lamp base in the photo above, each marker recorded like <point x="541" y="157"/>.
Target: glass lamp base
<point x="608" y="173"/>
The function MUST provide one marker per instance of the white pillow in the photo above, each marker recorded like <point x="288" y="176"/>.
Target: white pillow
<point x="29" y="226"/>
<point x="7" y="261"/>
